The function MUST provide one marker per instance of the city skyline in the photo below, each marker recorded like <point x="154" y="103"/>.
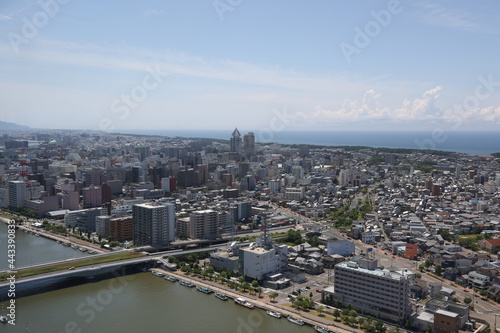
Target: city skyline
<point x="217" y="64"/>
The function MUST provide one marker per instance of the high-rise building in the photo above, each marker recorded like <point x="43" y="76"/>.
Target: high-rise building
<point x="17" y="193"/>
<point x="241" y="210"/>
<point x="249" y="144"/>
<point x="235" y="142"/>
<point x="274" y="185"/>
<point x="70" y="200"/>
<point x="203" y="224"/>
<point x="366" y="288"/>
<point x="154" y="224"/>
<point x="92" y="196"/>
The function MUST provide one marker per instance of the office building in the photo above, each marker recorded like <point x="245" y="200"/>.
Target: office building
<point x="17" y="193"/>
<point x="84" y="219"/>
<point x="249" y="144"/>
<point x="92" y="196"/>
<point x="241" y="210"/>
<point x="153" y="224"/>
<point x="257" y="262"/>
<point x="364" y="287"/>
<point x="235" y="142"/>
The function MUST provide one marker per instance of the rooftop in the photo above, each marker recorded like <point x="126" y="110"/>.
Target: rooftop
<point x="376" y="272"/>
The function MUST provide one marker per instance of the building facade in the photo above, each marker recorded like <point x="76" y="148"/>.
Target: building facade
<point x="366" y="288"/>
<point x="203" y="224"/>
<point x="153" y="224"/>
<point x="257" y="262"/>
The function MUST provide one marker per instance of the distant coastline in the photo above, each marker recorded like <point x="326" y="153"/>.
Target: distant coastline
<point x="467" y="142"/>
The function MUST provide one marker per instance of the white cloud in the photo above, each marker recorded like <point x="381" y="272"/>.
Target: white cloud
<point x="438" y="15"/>
<point x="152" y="12"/>
<point x="419" y="110"/>
<point x="4" y="17"/>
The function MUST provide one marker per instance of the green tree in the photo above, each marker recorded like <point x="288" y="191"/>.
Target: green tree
<point x="336" y="314"/>
<point x="320" y="309"/>
<point x="255" y="283"/>
<point x="438" y="270"/>
<point x="245" y="286"/>
<point x="379" y="327"/>
<point x="273" y="296"/>
<point x="467" y="300"/>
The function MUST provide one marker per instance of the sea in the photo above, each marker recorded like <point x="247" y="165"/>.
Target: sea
<point x="467" y="142"/>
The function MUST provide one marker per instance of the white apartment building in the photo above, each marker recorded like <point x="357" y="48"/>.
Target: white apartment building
<point x="374" y="291"/>
<point x="259" y="262"/>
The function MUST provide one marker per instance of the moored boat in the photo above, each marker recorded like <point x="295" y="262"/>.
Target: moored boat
<point x="274" y="314"/>
<point x="156" y="273"/>
<point x="221" y="296"/>
<point x="244" y="302"/>
<point x="321" y="329"/>
<point x="170" y="278"/>
<point x="204" y="289"/>
<point x="295" y="320"/>
<point x="186" y="283"/>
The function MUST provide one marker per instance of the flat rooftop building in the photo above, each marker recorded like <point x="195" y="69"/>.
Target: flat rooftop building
<point x="374" y="291"/>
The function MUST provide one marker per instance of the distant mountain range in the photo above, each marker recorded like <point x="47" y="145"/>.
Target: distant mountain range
<point x="5" y="126"/>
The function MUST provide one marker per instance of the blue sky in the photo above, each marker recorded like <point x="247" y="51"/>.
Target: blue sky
<point x="279" y="65"/>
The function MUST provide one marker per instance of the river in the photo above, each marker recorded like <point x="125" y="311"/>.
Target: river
<point x="138" y="303"/>
<point x="132" y="303"/>
<point x="32" y="250"/>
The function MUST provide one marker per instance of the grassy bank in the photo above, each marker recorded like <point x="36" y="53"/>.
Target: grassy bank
<point x="79" y="263"/>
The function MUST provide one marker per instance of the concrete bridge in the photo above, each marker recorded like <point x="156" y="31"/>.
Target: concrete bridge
<point x="50" y="281"/>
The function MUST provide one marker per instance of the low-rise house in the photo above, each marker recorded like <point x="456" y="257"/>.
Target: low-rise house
<point x="490" y="244"/>
<point x="477" y="280"/>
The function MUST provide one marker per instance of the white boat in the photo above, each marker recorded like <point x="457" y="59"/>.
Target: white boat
<point x="155" y="273"/>
<point x="321" y="329"/>
<point x="3" y="319"/>
<point x="244" y="302"/>
<point x="295" y="320"/>
<point x="170" y="278"/>
<point x="73" y="246"/>
<point x="221" y="296"/>
<point x="274" y="314"/>
<point x="82" y="249"/>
